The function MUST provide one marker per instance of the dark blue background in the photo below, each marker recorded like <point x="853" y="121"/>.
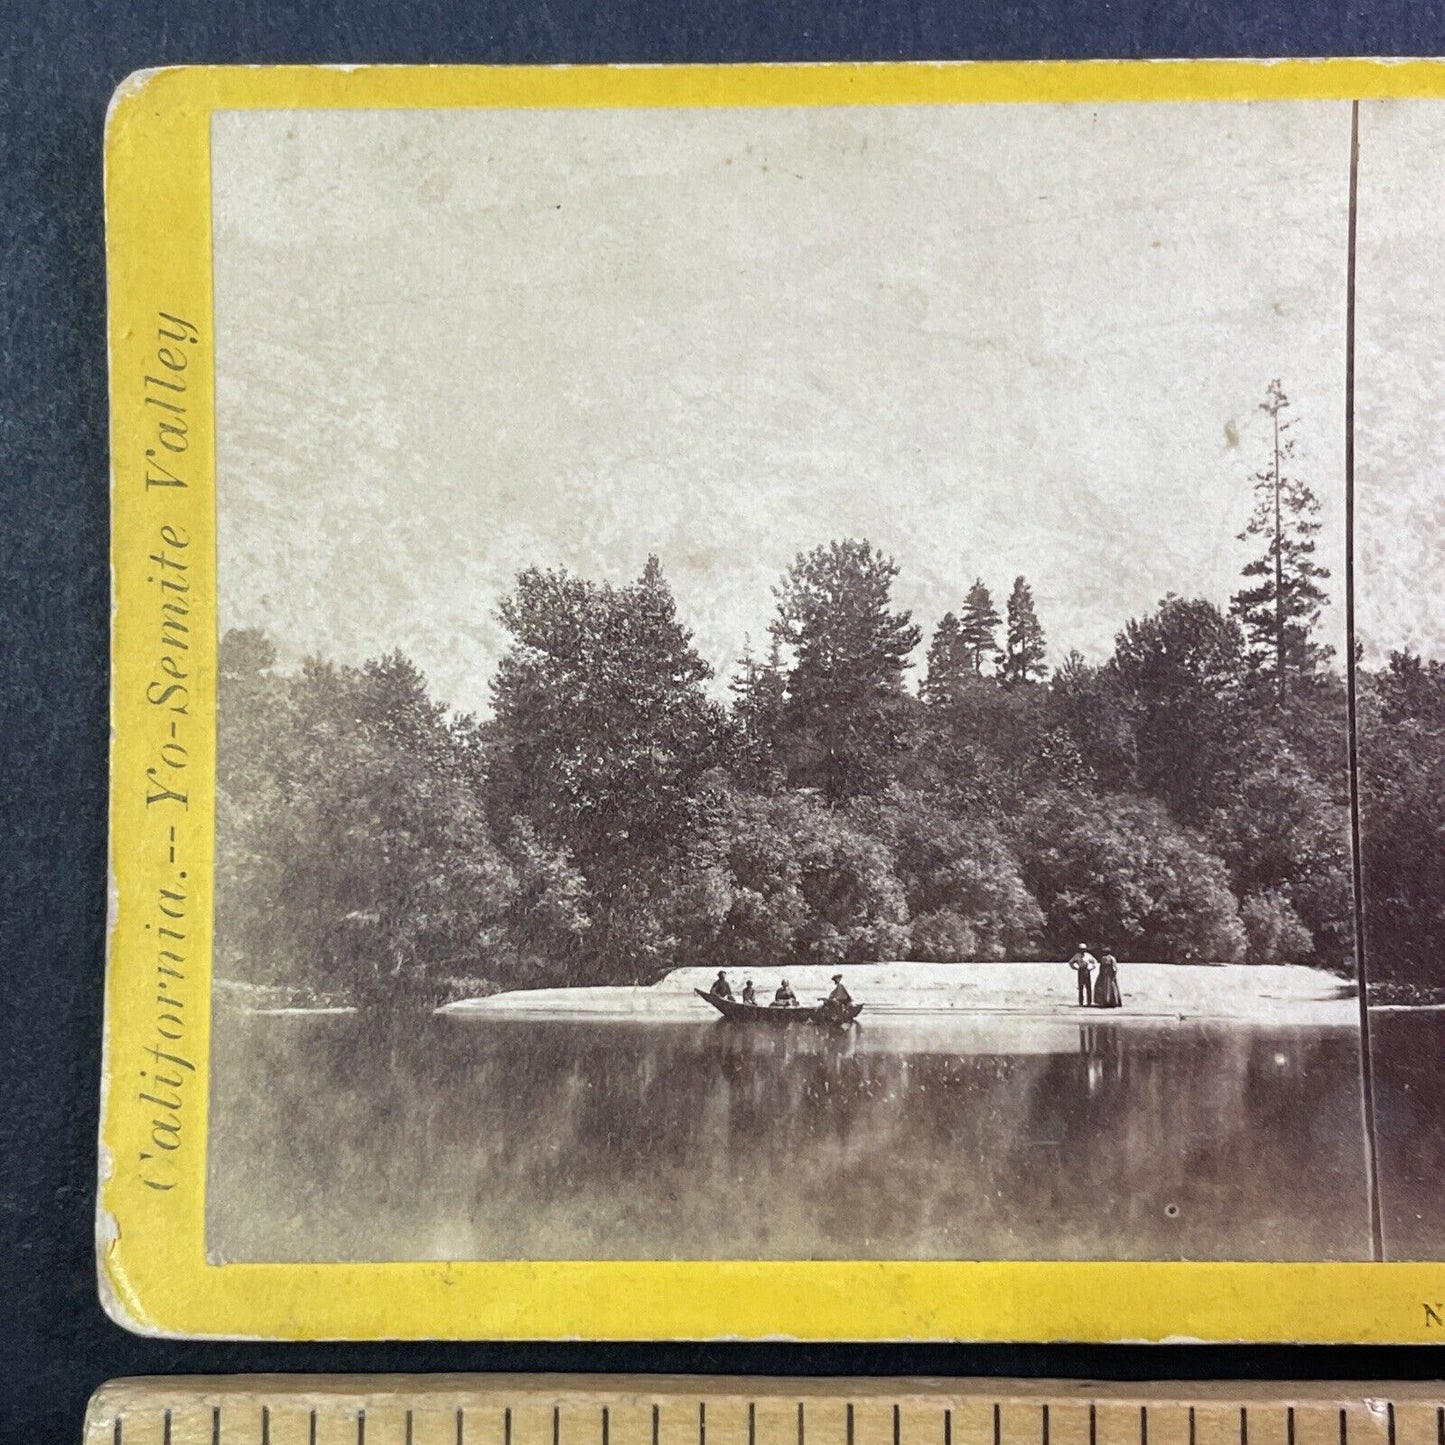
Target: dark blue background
<point x="58" y="65"/>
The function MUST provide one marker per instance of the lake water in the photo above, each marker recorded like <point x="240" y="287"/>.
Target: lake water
<point x="1407" y="1050"/>
<point x="485" y="1137"/>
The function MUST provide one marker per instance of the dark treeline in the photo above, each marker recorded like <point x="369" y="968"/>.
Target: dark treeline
<point x="1186" y="798"/>
<point x="1400" y="726"/>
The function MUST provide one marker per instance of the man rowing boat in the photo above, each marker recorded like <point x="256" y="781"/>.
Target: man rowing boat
<point x="837" y="1004"/>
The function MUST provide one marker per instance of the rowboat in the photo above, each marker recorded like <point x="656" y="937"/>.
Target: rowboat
<point x="826" y="1015"/>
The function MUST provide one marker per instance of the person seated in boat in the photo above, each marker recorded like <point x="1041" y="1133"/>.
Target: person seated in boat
<point x="785" y="997"/>
<point x="840" y="997"/>
<point x="750" y="994"/>
<point x="721" y="988"/>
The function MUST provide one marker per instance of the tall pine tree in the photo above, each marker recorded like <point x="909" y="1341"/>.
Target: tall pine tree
<point x="759" y="689"/>
<point x="978" y="627"/>
<point x="846" y="712"/>
<point x="1280" y="611"/>
<point x="948" y="663"/>
<point x="1024" y="647"/>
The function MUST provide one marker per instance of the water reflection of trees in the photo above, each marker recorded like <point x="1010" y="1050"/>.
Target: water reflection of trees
<point x="538" y="1137"/>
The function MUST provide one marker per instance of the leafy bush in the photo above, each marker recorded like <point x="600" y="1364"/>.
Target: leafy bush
<point x="1118" y="872"/>
<point x="1276" y="933"/>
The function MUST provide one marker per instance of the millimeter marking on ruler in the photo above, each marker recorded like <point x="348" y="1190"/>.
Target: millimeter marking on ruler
<point x="611" y="1410"/>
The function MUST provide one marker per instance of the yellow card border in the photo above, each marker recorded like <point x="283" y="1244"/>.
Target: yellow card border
<point x="154" y="1276"/>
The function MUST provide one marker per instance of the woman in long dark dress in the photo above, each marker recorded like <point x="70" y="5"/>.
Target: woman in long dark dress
<point x="1106" y="986"/>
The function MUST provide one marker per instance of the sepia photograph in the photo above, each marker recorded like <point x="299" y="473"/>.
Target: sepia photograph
<point x="784" y="683"/>
<point x="1399" y="546"/>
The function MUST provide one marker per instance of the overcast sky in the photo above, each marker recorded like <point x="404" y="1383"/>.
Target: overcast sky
<point x="992" y="340"/>
<point x="1400" y="390"/>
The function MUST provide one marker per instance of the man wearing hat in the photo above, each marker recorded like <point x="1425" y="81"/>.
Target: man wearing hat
<point x="1084" y="963"/>
<point x="840" y="997"/>
<point x="721" y="988"/>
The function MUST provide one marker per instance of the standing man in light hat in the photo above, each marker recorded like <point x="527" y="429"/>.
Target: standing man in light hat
<point x="1084" y="963"/>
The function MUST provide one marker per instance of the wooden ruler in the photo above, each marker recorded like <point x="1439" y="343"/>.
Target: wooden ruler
<point x="645" y="1410"/>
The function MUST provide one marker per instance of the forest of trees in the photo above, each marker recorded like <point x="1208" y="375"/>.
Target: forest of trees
<point x="1400" y="726"/>
<point x="1185" y="798"/>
